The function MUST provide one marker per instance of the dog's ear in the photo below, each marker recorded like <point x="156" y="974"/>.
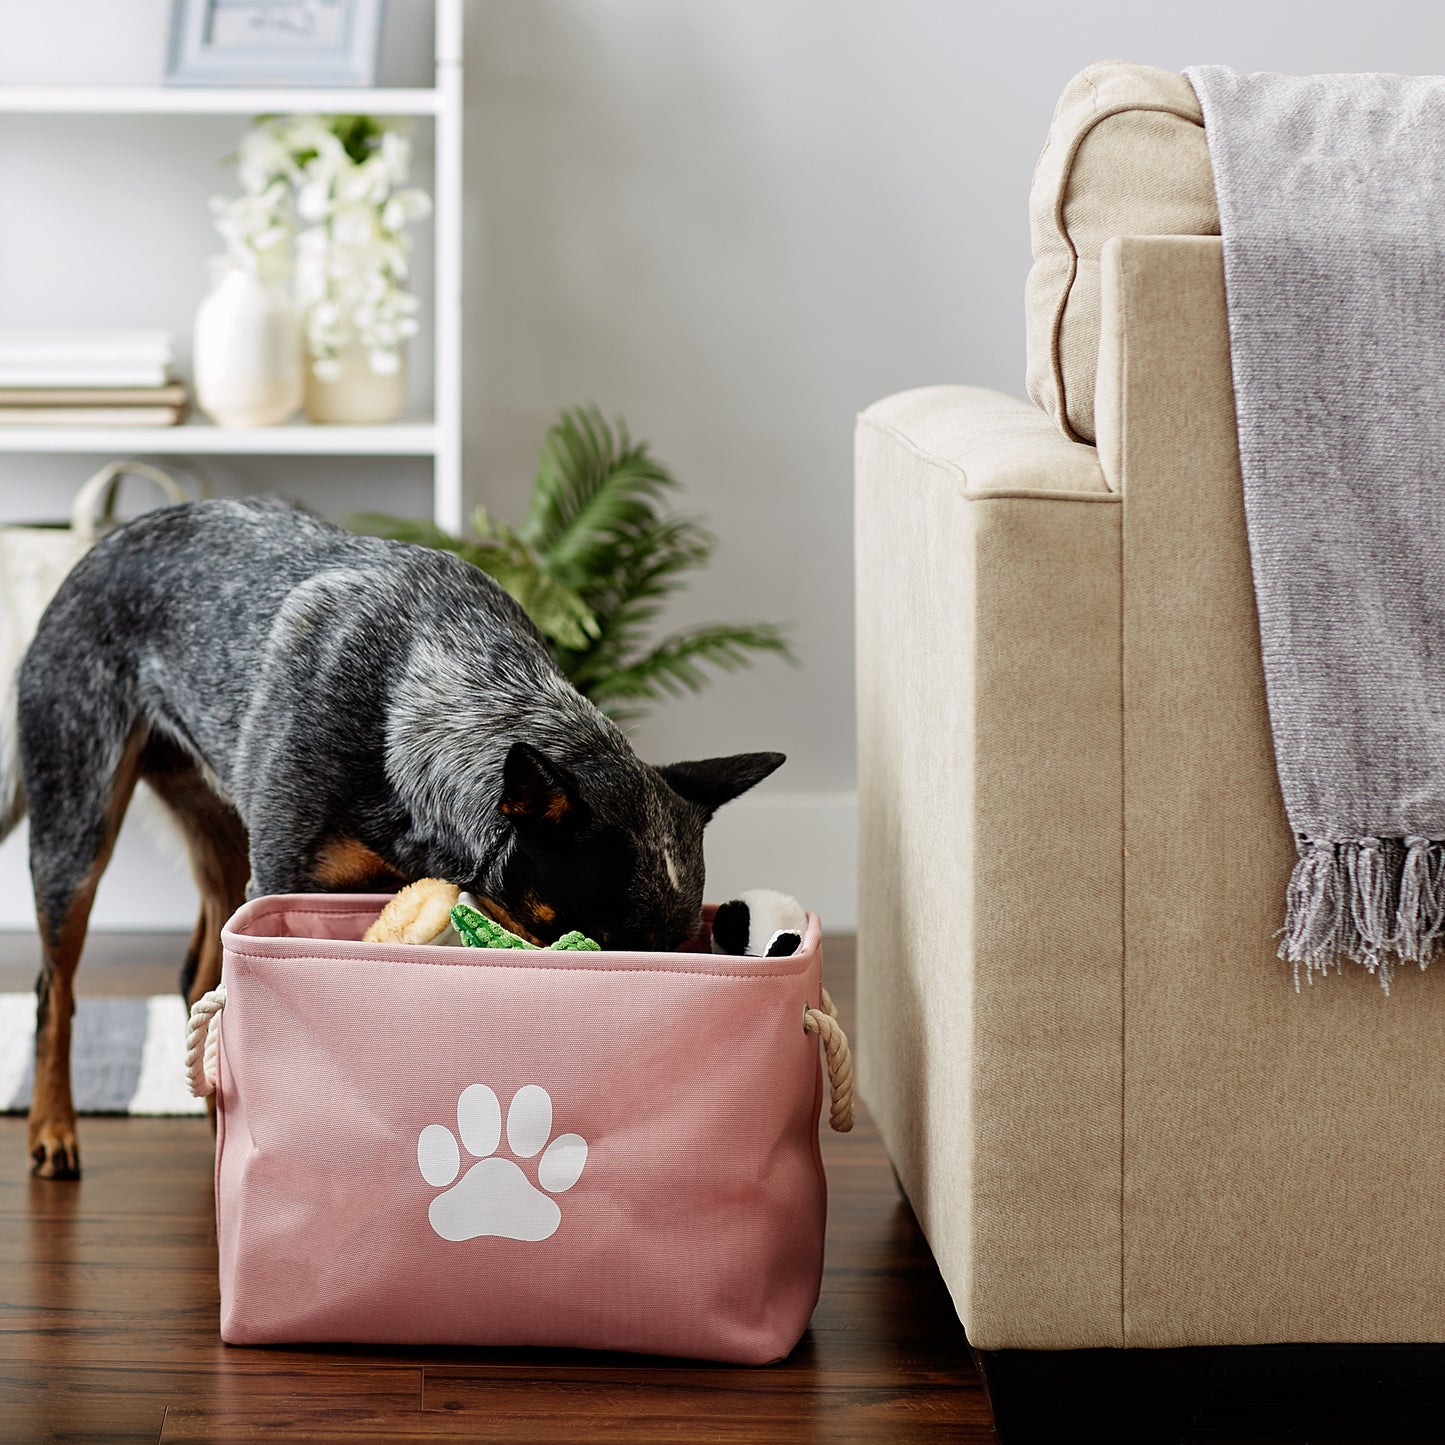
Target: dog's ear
<point x="540" y="797"/>
<point x="715" y="781"/>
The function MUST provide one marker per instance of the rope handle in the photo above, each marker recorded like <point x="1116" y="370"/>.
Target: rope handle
<point x="824" y="1022"/>
<point x="203" y="1031"/>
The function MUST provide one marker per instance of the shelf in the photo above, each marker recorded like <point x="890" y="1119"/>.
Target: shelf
<point x="199" y="438"/>
<point x="214" y="100"/>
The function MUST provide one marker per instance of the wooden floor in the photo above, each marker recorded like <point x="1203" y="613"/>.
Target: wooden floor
<point x="108" y="1313"/>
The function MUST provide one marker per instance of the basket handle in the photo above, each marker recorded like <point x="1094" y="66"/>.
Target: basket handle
<point x="202" y="1040"/>
<point x="94" y="505"/>
<point x="824" y="1022"/>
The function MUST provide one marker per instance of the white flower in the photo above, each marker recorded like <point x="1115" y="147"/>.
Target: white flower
<point x="395" y="155"/>
<point x="353" y="225"/>
<point x="404" y="206"/>
<point x="261" y="158"/>
<point x="313" y="195"/>
<point x="351" y="256"/>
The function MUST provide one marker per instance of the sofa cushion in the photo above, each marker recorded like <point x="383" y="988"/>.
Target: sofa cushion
<point x="1125" y="156"/>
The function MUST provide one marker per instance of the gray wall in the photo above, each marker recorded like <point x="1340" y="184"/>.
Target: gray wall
<point x="735" y="222"/>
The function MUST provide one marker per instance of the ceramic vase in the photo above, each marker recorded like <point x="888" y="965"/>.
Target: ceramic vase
<point x="247" y="351"/>
<point x="358" y="395"/>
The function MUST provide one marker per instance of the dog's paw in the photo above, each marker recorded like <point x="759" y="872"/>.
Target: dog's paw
<point x="494" y="1197"/>
<point x="54" y="1152"/>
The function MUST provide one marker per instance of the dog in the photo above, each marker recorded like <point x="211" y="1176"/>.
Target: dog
<point x="322" y="711"/>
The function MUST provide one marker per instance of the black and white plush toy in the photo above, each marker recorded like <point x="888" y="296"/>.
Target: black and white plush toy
<point x="761" y="923"/>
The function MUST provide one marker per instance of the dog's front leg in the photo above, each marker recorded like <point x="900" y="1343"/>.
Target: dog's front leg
<point x="54" y="1152"/>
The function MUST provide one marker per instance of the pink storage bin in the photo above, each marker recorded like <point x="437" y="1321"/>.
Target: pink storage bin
<point x="425" y="1145"/>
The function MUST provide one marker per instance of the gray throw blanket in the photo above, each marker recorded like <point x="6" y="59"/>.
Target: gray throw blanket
<point x="1332" y="208"/>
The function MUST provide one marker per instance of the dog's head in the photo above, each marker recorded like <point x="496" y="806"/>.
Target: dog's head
<point x="613" y="851"/>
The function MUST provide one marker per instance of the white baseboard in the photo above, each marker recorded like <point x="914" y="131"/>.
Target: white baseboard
<point x="802" y="843"/>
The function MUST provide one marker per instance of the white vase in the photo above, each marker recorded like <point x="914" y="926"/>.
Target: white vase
<point x="359" y="395"/>
<point x="247" y="354"/>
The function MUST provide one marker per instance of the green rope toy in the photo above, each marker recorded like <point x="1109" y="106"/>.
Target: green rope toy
<point x="476" y="930"/>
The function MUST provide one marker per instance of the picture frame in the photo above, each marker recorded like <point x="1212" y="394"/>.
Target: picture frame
<point x="310" y="43"/>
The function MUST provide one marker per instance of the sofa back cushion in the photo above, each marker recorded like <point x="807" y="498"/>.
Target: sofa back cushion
<point x="1125" y="156"/>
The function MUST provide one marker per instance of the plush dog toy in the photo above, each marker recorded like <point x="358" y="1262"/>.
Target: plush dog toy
<point x="761" y="923"/>
<point x="420" y="913"/>
<point x="434" y="911"/>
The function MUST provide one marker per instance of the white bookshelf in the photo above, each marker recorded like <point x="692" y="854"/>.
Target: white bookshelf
<point x="439" y="436"/>
<point x="214" y="100"/>
<point x="200" y="438"/>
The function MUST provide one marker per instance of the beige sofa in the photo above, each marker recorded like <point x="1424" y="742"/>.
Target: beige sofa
<point x="1120" y="1125"/>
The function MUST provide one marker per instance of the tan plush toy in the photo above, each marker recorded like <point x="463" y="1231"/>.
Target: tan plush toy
<point x="420" y="913"/>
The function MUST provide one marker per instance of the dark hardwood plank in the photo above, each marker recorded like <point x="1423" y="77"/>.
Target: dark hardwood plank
<point x="132" y="1401"/>
<point x="340" y="1423"/>
<point x="737" y="1405"/>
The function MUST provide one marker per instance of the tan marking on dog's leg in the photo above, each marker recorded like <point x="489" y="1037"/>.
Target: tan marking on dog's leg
<point x="193" y="950"/>
<point x="343" y="863"/>
<point x="54" y="1148"/>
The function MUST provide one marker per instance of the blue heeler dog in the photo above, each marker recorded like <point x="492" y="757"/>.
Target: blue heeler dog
<point x="319" y="710"/>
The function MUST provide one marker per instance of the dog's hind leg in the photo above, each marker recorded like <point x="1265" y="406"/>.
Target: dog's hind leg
<point x="191" y="966"/>
<point x="218" y="846"/>
<point x="78" y="787"/>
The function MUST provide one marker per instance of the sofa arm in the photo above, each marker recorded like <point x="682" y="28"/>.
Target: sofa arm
<point x="993" y="444"/>
<point x="990" y="850"/>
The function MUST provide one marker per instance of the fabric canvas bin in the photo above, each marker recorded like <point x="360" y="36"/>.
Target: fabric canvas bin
<point x="399" y="1128"/>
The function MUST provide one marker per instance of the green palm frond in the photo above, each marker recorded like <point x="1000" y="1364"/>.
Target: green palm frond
<point x="645" y="573"/>
<point x="676" y="665"/>
<point x="628" y="602"/>
<point x="562" y="617"/>
<point x="595" y="489"/>
<point x="595" y="564"/>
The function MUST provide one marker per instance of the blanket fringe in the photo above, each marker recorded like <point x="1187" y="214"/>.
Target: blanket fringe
<point x="1375" y="901"/>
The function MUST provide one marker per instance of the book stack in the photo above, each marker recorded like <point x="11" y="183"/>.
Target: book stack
<point x="88" y="378"/>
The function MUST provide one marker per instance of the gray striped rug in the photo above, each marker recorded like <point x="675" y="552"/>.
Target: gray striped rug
<point x="127" y="1055"/>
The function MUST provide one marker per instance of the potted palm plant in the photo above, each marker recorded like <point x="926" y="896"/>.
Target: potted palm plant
<point x="594" y="565"/>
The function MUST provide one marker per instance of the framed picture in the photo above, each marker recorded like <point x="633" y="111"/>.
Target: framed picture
<point x="274" y="42"/>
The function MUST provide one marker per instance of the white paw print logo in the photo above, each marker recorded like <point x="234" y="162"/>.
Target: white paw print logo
<point x="494" y="1196"/>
